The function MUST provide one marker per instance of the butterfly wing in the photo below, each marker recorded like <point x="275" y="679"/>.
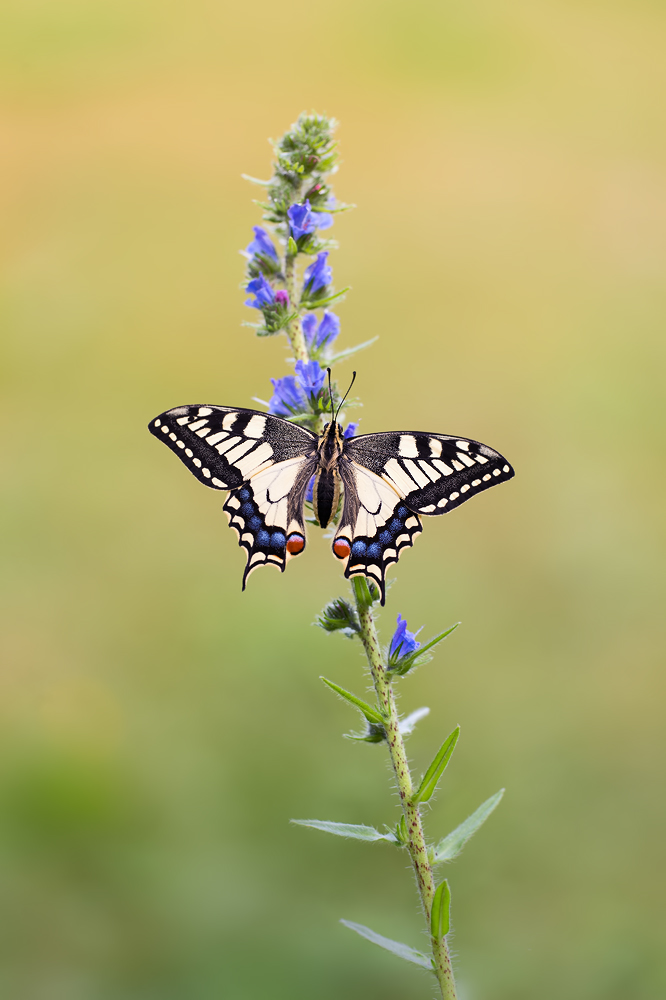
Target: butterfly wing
<point x="265" y="462"/>
<point x="392" y="477"/>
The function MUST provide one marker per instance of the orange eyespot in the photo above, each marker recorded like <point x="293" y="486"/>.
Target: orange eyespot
<point x="295" y="544"/>
<point x="341" y="548"/>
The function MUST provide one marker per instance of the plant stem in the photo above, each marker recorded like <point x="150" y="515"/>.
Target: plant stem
<point x="294" y="329"/>
<point x="417" y="845"/>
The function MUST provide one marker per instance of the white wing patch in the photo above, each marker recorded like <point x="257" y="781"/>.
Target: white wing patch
<point x="271" y="488"/>
<point x="378" y="501"/>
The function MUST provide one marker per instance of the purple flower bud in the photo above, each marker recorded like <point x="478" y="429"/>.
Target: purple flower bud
<point x="309" y="493"/>
<point x="261" y="244"/>
<point x="403" y="642"/>
<point x="263" y="292"/>
<point x="318" y="275"/>
<point x="282" y="298"/>
<point x="350" y="430"/>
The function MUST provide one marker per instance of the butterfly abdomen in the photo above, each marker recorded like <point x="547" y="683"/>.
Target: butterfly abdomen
<point x="325" y="495"/>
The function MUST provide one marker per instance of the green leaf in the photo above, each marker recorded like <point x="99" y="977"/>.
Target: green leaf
<point x="343" y="355"/>
<point x="407" y="724"/>
<point x="316" y="303"/>
<point x="254" y="180"/>
<point x="371" y="714"/>
<point x="451" y="845"/>
<point x="397" y="947"/>
<point x="365" y="592"/>
<point x="352" y="830"/>
<point x="292" y="248"/>
<point x="436" y="770"/>
<point x="440" y="915"/>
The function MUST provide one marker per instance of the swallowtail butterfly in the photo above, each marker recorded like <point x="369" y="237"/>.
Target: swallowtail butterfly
<point x="387" y="480"/>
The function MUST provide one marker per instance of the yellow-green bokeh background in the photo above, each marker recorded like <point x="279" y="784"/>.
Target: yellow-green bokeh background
<point x="159" y="728"/>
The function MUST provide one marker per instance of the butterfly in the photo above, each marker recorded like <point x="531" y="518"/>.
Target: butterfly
<point x="387" y="481"/>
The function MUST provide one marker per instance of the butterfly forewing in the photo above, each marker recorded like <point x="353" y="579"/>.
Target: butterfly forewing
<point x="264" y="461"/>
<point x="433" y="473"/>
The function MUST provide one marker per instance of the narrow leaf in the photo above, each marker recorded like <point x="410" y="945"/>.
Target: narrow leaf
<point x="318" y="303"/>
<point x="397" y="947"/>
<point x="343" y="355"/>
<point x="254" y="180"/>
<point x="352" y="830"/>
<point x="440" y="915"/>
<point x="451" y="846"/>
<point x="371" y="714"/>
<point x="407" y="724"/>
<point x="436" y="769"/>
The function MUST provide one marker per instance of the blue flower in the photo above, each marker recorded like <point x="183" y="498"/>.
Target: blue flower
<point x="288" y="397"/>
<point x="322" y="335"/>
<point x="323" y="220"/>
<point x="309" y="493"/>
<point x="403" y="642"/>
<point x="317" y="275"/>
<point x="309" y="328"/>
<point x="261" y="244"/>
<point x="263" y="292"/>
<point x="311" y="376"/>
<point x="350" y="430"/>
<point x="301" y="220"/>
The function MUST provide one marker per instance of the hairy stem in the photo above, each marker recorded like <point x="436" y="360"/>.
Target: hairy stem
<point x="417" y="845"/>
<point x="294" y="328"/>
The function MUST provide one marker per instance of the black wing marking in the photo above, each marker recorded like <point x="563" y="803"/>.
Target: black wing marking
<point x="376" y="525"/>
<point x="434" y="473"/>
<point x="224" y="446"/>
<point x="267" y="513"/>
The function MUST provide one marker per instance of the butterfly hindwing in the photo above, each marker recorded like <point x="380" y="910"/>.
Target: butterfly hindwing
<point x="376" y="524"/>
<point x="433" y="473"/>
<point x="267" y="513"/>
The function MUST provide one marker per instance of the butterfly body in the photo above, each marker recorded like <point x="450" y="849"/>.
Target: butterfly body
<point x="386" y="481"/>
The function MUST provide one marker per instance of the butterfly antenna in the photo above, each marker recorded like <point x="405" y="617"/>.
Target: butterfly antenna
<point x="330" y="394"/>
<point x="346" y="394"/>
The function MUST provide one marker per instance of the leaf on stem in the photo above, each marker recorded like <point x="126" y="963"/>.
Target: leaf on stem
<point x="343" y="355"/>
<point x="440" y="915"/>
<point x="254" y="180"/>
<point x="407" y="724"/>
<point x="397" y="947"/>
<point x="351" y="830"/>
<point x="371" y="714"/>
<point x="365" y="592"/>
<point x="451" y="846"/>
<point x="430" y="779"/>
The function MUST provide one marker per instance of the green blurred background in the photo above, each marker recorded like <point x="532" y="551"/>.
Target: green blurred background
<point x="159" y="728"/>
